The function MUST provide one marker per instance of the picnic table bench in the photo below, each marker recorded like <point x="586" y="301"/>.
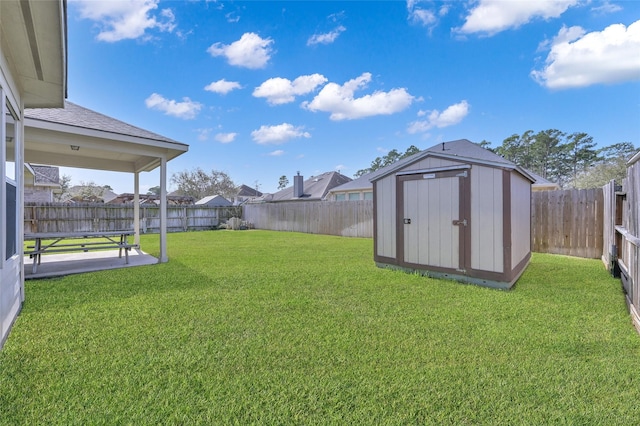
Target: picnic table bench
<point x="77" y="242"/>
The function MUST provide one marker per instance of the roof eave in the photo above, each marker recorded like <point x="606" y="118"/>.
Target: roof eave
<point x="35" y="38"/>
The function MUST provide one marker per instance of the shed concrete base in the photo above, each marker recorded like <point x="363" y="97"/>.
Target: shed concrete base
<point x="57" y="265"/>
<point x="465" y="279"/>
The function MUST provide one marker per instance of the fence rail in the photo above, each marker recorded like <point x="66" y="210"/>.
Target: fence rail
<point x="91" y="217"/>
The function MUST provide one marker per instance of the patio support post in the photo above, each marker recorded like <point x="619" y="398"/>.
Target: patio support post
<point x="136" y="208"/>
<point x="163" y="210"/>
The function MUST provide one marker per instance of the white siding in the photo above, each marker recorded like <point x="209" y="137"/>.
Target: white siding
<point x="486" y="219"/>
<point x="520" y="218"/>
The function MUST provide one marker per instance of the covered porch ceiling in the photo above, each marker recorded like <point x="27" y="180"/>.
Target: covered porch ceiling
<point x="74" y="136"/>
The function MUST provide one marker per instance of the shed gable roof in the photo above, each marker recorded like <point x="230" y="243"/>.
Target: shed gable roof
<point x="459" y="150"/>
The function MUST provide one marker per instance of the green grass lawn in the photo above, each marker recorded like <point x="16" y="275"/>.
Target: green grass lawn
<point x="258" y="327"/>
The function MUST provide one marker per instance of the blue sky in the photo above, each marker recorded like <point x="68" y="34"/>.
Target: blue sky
<point x="262" y="89"/>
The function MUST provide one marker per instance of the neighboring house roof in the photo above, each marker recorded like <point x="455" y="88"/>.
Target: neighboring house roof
<point x="127" y="197"/>
<point x="214" y="201"/>
<point x="542" y="183"/>
<point x="247" y="191"/>
<point x="314" y="188"/>
<point x="44" y="175"/>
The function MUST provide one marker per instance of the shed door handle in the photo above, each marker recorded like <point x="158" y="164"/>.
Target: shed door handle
<point x="407" y="221"/>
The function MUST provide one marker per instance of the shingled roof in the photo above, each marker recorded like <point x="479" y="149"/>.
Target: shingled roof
<point x="462" y="148"/>
<point x="77" y="116"/>
<point x="315" y="188"/>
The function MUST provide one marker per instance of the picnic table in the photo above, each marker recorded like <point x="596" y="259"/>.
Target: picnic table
<point x="57" y="242"/>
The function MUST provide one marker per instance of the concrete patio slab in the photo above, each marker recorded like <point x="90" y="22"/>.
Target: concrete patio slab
<point x="57" y="265"/>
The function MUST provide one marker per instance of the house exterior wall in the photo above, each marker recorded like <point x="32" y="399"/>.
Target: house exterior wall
<point x="352" y="195"/>
<point x="487" y="248"/>
<point x="38" y="195"/>
<point x="11" y="197"/>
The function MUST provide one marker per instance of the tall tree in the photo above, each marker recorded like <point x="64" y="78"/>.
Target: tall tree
<point x="154" y="190"/>
<point x="552" y="153"/>
<point x="283" y="182"/>
<point x="89" y="192"/>
<point x="518" y="148"/>
<point x="65" y="184"/>
<point x="199" y="184"/>
<point x="582" y="153"/>
<point x="611" y="165"/>
<point x="391" y="157"/>
<point x="548" y="155"/>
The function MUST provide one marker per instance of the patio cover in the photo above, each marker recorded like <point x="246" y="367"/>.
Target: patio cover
<point x="74" y="136"/>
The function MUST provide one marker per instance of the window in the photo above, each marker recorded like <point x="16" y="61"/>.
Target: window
<point x="340" y="197"/>
<point x="368" y="195"/>
<point x="354" y="196"/>
<point x="10" y="183"/>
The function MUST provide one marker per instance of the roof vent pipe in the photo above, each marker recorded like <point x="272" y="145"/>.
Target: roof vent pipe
<point x="298" y="186"/>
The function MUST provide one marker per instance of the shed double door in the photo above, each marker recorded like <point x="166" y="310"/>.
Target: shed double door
<point x="434" y="221"/>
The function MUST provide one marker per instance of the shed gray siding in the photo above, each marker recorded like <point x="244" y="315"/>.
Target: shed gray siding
<point x="469" y="219"/>
<point x="487" y="248"/>
<point x="520" y="219"/>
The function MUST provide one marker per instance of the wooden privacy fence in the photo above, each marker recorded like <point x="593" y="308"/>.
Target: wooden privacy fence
<point x="92" y="217"/>
<point x="568" y="222"/>
<point x="622" y="235"/>
<point x="345" y="218"/>
<point x="563" y="222"/>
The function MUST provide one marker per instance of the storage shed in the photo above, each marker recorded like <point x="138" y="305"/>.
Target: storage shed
<point x="457" y="211"/>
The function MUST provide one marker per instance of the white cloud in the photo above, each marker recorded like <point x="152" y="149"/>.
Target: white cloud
<point x="203" y="134"/>
<point x="187" y="109"/>
<point x="232" y="18"/>
<point x="251" y="51"/>
<point x="493" y="16"/>
<point x="427" y="17"/>
<point x="225" y="137"/>
<point x="341" y="103"/>
<point x="606" y="8"/>
<point x="222" y="86"/>
<point x="579" y="59"/>
<point x="281" y="90"/>
<point x="326" y="38"/>
<point x="278" y="134"/>
<point x="454" y="114"/>
<point x="120" y="20"/>
<point x="276" y="153"/>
